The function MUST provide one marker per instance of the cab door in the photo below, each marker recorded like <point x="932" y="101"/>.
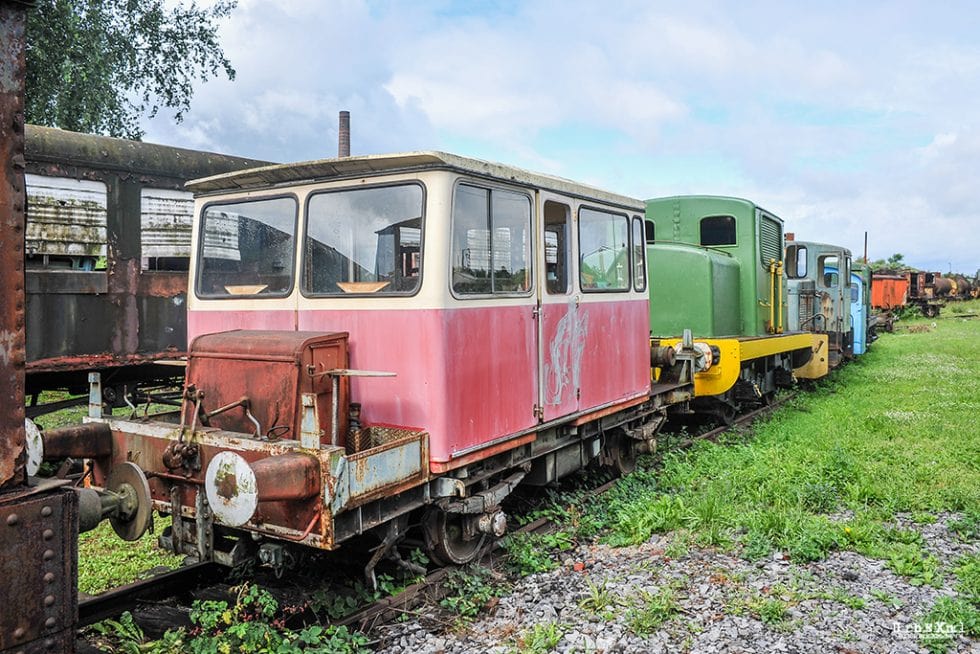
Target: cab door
<point x="858" y="314"/>
<point x="561" y="335"/>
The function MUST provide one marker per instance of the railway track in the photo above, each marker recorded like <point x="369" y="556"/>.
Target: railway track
<point x="182" y="582"/>
<point x="113" y="603"/>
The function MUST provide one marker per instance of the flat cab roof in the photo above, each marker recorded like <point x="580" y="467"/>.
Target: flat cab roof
<point x="348" y="167"/>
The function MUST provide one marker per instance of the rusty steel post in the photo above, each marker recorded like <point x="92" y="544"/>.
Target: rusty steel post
<point x="13" y="24"/>
<point x="38" y="524"/>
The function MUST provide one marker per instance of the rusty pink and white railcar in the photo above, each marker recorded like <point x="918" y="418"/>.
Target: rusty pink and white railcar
<point x="415" y="331"/>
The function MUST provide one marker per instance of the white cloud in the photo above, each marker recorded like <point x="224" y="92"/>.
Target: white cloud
<point x="840" y="118"/>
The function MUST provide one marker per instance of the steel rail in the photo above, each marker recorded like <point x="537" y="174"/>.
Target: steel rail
<point x="114" y="602"/>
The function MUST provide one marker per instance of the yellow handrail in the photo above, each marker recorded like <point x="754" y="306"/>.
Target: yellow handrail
<point x="772" y="300"/>
<point x="779" y="275"/>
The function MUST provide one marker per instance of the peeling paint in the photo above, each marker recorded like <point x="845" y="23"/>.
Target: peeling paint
<point x="8" y="340"/>
<point x="563" y="369"/>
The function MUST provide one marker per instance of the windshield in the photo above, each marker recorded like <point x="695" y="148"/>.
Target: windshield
<point x="365" y="240"/>
<point x="247" y="248"/>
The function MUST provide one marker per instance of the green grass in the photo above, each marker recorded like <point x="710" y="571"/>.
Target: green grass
<point x="105" y="561"/>
<point x="893" y="432"/>
<point x="650" y="610"/>
<point x="539" y="639"/>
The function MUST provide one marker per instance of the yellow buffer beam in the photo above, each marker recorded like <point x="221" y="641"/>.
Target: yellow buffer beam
<point x="735" y="352"/>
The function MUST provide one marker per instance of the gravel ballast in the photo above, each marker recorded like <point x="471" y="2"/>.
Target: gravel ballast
<point x="599" y="601"/>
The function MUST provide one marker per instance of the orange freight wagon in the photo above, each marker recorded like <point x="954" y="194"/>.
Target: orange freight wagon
<point x="889" y="291"/>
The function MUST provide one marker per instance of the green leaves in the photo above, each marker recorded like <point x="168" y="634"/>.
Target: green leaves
<point x="96" y="66"/>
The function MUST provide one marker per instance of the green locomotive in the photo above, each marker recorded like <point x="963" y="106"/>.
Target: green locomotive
<point x="715" y="267"/>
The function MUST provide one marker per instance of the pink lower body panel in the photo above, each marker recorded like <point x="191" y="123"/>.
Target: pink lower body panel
<point x="468" y="376"/>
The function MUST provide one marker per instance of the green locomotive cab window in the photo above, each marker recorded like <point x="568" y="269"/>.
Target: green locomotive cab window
<point x="491" y="242"/>
<point x="639" y="262"/>
<point x="604" y="260"/>
<point x="651" y="231"/>
<point x="247" y="248"/>
<point x="364" y="241"/>
<point x="796" y="261"/>
<point x="718" y="230"/>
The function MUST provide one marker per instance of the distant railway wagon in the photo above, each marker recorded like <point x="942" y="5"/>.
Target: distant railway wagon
<point x="716" y="268"/>
<point x="819" y="277"/>
<point x="889" y="291"/>
<point x="922" y="292"/>
<point x="895" y="290"/>
<point x="107" y="249"/>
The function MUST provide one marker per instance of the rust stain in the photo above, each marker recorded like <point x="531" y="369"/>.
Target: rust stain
<point x="226" y="482"/>
<point x="162" y="284"/>
<point x="90" y="361"/>
<point x="13" y="22"/>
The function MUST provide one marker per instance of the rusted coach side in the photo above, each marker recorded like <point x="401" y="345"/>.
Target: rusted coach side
<point x="106" y="249"/>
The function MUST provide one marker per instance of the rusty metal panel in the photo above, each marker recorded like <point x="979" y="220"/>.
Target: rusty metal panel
<point x="165" y="218"/>
<point x="66" y="281"/>
<point x="381" y="470"/>
<point x="13" y="23"/>
<point x="67" y="325"/>
<point x="66" y="217"/>
<point x="163" y="323"/>
<point x="145" y="443"/>
<point x="38" y="575"/>
<point x="272" y="369"/>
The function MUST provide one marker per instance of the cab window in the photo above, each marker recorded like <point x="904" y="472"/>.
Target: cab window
<point x="796" y="261"/>
<point x="364" y="241"/>
<point x="604" y="259"/>
<point x="557" y="245"/>
<point x="247" y="248"/>
<point x="491" y="250"/>
<point x="639" y="252"/>
<point x="718" y="230"/>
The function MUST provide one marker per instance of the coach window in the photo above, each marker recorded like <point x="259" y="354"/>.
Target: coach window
<point x="247" y="248"/>
<point x="67" y="223"/>
<point x="491" y="241"/>
<point x="556" y="247"/>
<point x="604" y="261"/>
<point x="796" y="261"/>
<point x="165" y="229"/>
<point x="639" y="250"/>
<point x="364" y="241"/>
<point x="718" y="230"/>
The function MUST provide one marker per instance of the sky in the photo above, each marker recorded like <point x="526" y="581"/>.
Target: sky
<point x="840" y="117"/>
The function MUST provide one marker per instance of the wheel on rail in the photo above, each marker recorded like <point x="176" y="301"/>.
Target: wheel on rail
<point x="621" y="454"/>
<point x="446" y="538"/>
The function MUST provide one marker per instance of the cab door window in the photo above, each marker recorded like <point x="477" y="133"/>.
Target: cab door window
<point x="557" y="245"/>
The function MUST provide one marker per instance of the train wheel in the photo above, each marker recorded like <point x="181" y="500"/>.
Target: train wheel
<point x="622" y="454"/>
<point x="445" y="538"/>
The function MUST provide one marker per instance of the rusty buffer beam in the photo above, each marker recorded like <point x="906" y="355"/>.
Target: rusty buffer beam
<point x="13" y="25"/>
